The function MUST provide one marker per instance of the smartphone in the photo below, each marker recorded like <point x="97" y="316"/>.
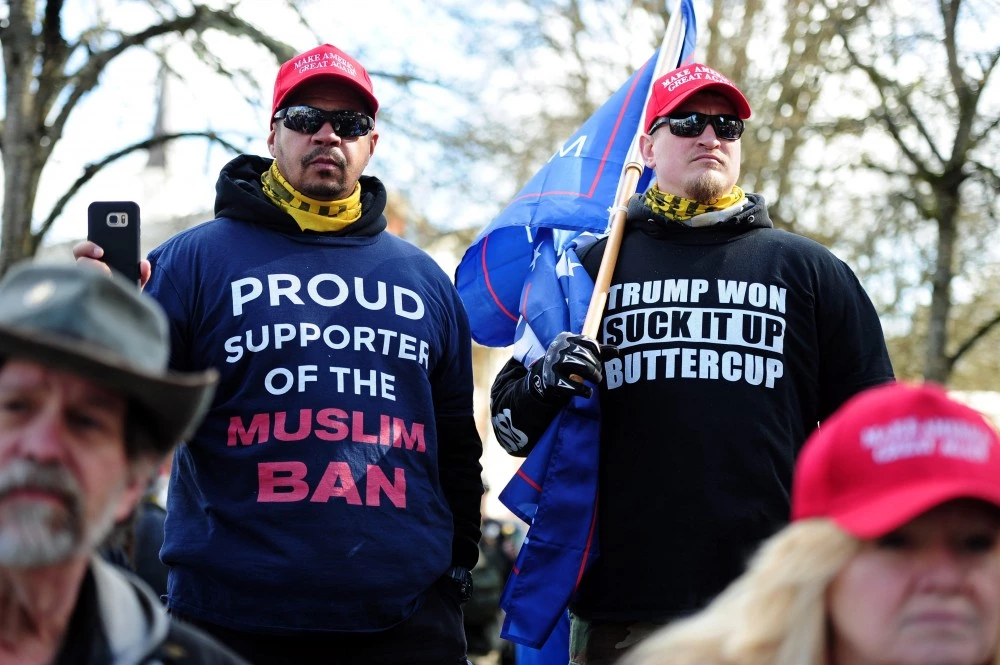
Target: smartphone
<point x="114" y="225"/>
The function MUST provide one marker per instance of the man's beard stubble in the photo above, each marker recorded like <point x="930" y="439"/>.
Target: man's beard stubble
<point x="332" y="191"/>
<point x="708" y="187"/>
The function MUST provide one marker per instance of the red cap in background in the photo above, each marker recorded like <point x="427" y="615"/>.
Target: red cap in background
<point x="890" y="454"/>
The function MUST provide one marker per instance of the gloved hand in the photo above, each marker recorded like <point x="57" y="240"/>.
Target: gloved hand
<point x="569" y="360"/>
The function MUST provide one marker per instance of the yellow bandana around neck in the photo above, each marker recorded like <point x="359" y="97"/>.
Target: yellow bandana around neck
<point x="310" y="214"/>
<point x="681" y="209"/>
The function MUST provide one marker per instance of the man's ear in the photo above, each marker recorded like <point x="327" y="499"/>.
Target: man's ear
<point x="270" y="139"/>
<point x="646" y="150"/>
<point x="140" y="475"/>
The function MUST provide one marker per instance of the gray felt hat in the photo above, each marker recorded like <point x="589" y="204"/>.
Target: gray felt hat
<point x="77" y="319"/>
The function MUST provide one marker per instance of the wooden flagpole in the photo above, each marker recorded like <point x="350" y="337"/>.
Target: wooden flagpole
<point x="667" y="59"/>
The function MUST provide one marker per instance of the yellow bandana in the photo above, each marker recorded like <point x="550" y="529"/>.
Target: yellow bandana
<point x="681" y="209"/>
<point x="310" y="214"/>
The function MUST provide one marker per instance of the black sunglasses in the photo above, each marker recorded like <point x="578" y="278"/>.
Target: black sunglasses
<point x="309" y="120"/>
<point x="690" y="124"/>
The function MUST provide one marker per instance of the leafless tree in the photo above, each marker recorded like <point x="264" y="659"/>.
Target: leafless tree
<point x="48" y="72"/>
<point x="873" y="125"/>
<point x="930" y="67"/>
<point x="46" y="77"/>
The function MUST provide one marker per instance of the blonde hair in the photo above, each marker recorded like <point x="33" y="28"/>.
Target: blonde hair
<point x="773" y="614"/>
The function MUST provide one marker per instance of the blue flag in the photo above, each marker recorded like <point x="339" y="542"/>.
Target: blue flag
<point x="555" y="489"/>
<point x="522" y="284"/>
<point x="574" y="191"/>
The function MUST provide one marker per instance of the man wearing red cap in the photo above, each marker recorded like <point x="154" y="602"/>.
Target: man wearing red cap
<point x="723" y="343"/>
<point x="328" y="508"/>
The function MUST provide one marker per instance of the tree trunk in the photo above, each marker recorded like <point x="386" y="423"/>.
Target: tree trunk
<point x="45" y="78"/>
<point x="937" y="366"/>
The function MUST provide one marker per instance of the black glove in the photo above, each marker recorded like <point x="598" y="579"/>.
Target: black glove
<point x="461" y="578"/>
<point x="569" y="355"/>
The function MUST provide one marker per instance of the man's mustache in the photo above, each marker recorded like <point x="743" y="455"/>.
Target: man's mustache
<point x="336" y="158"/>
<point x="23" y="474"/>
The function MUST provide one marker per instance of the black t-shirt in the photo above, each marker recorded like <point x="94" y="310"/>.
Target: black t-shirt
<point x="735" y="340"/>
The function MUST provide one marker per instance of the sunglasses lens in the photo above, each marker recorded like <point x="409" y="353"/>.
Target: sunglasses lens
<point x="727" y="127"/>
<point x="309" y="120"/>
<point x="303" y="119"/>
<point x="350" y="123"/>
<point x="688" y="125"/>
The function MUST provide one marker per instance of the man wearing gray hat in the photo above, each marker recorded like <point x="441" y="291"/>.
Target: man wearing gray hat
<point x="87" y="411"/>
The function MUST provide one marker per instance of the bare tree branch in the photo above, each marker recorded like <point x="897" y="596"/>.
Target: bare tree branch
<point x="971" y="341"/>
<point x="202" y="18"/>
<point x="949" y="14"/>
<point x="987" y="174"/>
<point x="90" y="170"/>
<point x="882" y="87"/>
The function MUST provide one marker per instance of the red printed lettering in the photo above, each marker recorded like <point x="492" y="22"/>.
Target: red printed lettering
<point x="337" y="481"/>
<point x="258" y="432"/>
<point x="292" y="484"/>
<point x="281" y="433"/>
<point x="358" y="429"/>
<point x="283" y="482"/>
<point x="331" y="419"/>
<point x="377" y="483"/>
<point x="385" y="431"/>
<point x="329" y="424"/>
<point x="408" y="439"/>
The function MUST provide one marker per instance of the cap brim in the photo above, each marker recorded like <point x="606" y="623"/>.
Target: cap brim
<point x="177" y="402"/>
<point x="873" y="518"/>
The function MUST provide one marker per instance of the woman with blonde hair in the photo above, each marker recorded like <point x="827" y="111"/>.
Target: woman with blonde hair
<point x="892" y="556"/>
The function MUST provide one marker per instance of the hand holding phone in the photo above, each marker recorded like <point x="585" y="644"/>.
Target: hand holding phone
<point x="114" y="226"/>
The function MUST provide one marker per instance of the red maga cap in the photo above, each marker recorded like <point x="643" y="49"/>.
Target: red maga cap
<point x="327" y="62"/>
<point x="674" y="87"/>
<point x="892" y="453"/>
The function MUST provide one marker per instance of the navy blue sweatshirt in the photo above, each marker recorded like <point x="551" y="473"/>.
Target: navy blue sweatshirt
<point x="337" y="474"/>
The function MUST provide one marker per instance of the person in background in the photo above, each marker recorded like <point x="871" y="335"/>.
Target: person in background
<point x="723" y="343"/>
<point x="892" y="556"/>
<point x="481" y="613"/>
<point x="87" y="412"/>
<point x="328" y="507"/>
<point x="147" y="530"/>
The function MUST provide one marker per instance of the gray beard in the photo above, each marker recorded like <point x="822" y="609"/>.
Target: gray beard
<point x="37" y="533"/>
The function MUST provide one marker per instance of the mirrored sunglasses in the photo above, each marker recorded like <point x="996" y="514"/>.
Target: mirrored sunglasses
<point x="691" y="124"/>
<point x="309" y="120"/>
